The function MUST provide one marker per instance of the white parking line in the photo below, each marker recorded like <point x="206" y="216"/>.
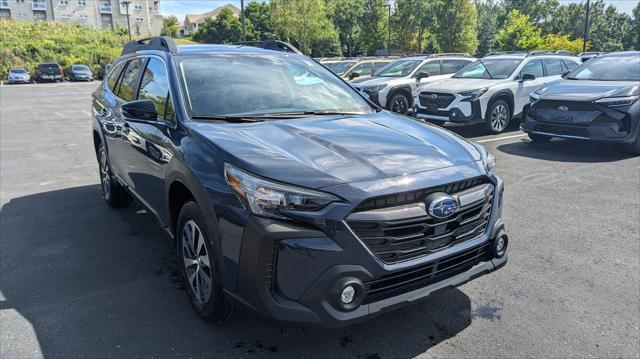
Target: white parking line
<point x="501" y="138"/>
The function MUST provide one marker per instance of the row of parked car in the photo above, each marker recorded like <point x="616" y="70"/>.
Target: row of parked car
<point x="50" y="72"/>
<point x="590" y="96"/>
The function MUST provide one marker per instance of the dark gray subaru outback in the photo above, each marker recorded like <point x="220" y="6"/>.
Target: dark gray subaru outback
<point x="285" y="189"/>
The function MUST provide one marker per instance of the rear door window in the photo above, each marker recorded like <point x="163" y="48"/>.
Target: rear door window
<point x="570" y="64"/>
<point x="450" y="66"/>
<point x="129" y="83"/>
<point x="553" y="67"/>
<point x="433" y="68"/>
<point x="112" y="80"/>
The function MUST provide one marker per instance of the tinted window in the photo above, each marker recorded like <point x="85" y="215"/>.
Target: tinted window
<point x="433" y="68"/>
<point x="127" y="87"/>
<point x="113" y="77"/>
<point x="379" y="65"/>
<point x="533" y="67"/>
<point x="553" y="67"/>
<point x="489" y="69"/>
<point x="450" y="66"/>
<point x="80" y="68"/>
<point x="570" y="65"/>
<point x="464" y="63"/>
<point x="18" y="71"/>
<point x="341" y="67"/>
<point x="49" y="67"/>
<point x="362" y="69"/>
<point x="155" y="85"/>
<point x="225" y="85"/>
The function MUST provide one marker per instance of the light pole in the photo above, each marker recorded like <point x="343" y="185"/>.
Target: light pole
<point x="586" y="29"/>
<point x="244" y="29"/>
<point x="388" y="6"/>
<point x="126" y="4"/>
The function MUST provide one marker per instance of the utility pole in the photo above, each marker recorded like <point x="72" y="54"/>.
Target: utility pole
<point x="244" y="29"/>
<point x="126" y="4"/>
<point x="586" y="29"/>
<point x="389" y="30"/>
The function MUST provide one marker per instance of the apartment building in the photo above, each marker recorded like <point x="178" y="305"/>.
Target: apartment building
<point x="192" y="22"/>
<point x="144" y="15"/>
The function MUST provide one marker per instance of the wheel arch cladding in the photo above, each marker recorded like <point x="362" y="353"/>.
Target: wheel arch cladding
<point x="505" y="95"/>
<point x="96" y="141"/>
<point x="402" y="89"/>
<point x="179" y="194"/>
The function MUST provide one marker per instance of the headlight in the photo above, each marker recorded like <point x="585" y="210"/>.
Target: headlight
<point x="265" y="198"/>
<point x="534" y="96"/>
<point x="618" y="101"/>
<point x="373" y="88"/>
<point x="488" y="159"/>
<point x="472" y="95"/>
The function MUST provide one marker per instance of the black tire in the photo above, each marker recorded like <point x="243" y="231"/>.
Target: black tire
<point x="399" y="103"/>
<point x="210" y="304"/>
<point x="537" y="138"/>
<point x="112" y="192"/>
<point x="498" y="116"/>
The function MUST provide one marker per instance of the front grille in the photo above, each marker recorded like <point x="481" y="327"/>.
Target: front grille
<point x="563" y="130"/>
<point x="399" y="240"/>
<point x="424" y="275"/>
<point x="443" y="100"/>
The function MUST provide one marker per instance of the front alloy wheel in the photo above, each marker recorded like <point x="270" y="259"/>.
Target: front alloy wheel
<point x="499" y="116"/>
<point x="197" y="263"/>
<point x="399" y="104"/>
<point x="112" y="192"/>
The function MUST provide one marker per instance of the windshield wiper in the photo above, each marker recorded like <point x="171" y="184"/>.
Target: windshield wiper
<point x="302" y="114"/>
<point x="233" y="119"/>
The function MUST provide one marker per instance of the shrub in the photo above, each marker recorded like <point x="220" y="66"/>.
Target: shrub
<point x="28" y="43"/>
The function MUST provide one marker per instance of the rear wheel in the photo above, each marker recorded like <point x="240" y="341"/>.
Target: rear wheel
<point x="498" y="116"/>
<point x="198" y="268"/>
<point x="114" y="194"/>
<point x="399" y="103"/>
<point x="537" y="138"/>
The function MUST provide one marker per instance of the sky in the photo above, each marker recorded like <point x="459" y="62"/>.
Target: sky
<point x="181" y="7"/>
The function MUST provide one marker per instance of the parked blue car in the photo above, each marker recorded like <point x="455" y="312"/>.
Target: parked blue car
<point x="287" y="191"/>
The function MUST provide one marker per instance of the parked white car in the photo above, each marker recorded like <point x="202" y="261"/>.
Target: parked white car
<point x="493" y="89"/>
<point x="393" y="86"/>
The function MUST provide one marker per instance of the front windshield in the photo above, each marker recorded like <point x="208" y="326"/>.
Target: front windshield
<point x="243" y="85"/>
<point x="608" y="68"/>
<point x="18" y="71"/>
<point x="80" y="68"/>
<point x="398" y="68"/>
<point x="489" y="69"/>
<point x="339" y="68"/>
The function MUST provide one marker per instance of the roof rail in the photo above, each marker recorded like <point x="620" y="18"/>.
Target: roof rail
<point x="160" y="43"/>
<point x="549" y="52"/>
<point x="276" y="45"/>
<point x="494" y="53"/>
<point x="457" y="54"/>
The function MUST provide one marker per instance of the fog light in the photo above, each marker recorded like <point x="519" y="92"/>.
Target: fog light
<point x="500" y="245"/>
<point x="348" y="294"/>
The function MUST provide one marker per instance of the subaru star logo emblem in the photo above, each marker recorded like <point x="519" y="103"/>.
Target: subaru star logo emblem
<point x="433" y="96"/>
<point x="441" y="205"/>
<point x="563" y="108"/>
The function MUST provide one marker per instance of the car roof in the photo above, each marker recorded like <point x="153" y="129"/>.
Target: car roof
<point x="622" y="54"/>
<point x="219" y="49"/>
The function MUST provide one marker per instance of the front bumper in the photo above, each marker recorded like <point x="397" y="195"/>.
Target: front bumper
<point x="471" y="113"/>
<point x="294" y="273"/>
<point x="589" y="122"/>
<point x="22" y="80"/>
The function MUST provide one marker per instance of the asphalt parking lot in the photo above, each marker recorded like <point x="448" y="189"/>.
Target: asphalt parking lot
<point x="78" y="278"/>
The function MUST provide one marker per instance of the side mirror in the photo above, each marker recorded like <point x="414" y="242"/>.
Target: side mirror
<point x="141" y="110"/>
<point x="422" y="75"/>
<point x="353" y="75"/>
<point x="527" y="77"/>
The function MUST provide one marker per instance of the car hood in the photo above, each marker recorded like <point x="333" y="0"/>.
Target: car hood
<point x="457" y="85"/>
<point x="581" y="90"/>
<point x="324" y="151"/>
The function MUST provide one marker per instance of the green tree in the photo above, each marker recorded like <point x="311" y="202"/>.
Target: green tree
<point x="489" y="14"/>
<point x="373" y="24"/>
<point x="259" y="15"/>
<point x="519" y="33"/>
<point x="561" y="42"/>
<point x="345" y="17"/>
<point x="302" y="22"/>
<point x="537" y="10"/>
<point x="635" y="28"/>
<point x="224" y="29"/>
<point x="456" y="27"/>
<point x="170" y="26"/>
